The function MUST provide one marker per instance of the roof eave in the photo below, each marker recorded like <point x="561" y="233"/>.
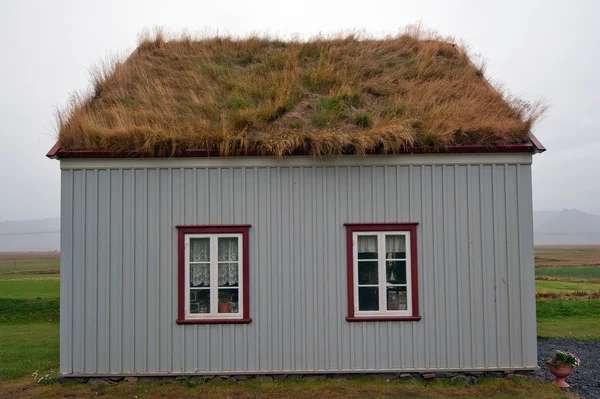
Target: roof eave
<point x="531" y="147"/>
<point x="539" y="147"/>
<point x="53" y="153"/>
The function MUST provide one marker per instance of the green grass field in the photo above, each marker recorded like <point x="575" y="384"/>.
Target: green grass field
<point x="29" y="315"/>
<point x="572" y="272"/>
<point x="574" y="318"/>
<point x="24" y="286"/>
<point x="33" y="346"/>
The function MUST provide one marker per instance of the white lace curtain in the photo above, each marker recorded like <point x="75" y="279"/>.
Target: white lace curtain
<point x="200" y="252"/>
<point x="228" y="249"/>
<point x="395" y="244"/>
<point x="228" y="273"/>
<point x="367" y="244"/>
<point x="228" y="252"/>
<point x="200" y="275"/>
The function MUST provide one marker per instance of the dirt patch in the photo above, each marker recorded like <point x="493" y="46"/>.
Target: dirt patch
<point x="8" y="256"/>
<point x="560" y="256"/>
<point x="49" y="271"/>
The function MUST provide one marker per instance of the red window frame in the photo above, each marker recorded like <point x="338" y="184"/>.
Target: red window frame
<point x="376" y="227"/>
<point x="242" y="229"/>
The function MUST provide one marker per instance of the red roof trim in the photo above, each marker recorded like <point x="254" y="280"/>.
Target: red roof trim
<point x="54" y="150"/>
<point x="466" y="149"/>
<point x="536" y="143"/>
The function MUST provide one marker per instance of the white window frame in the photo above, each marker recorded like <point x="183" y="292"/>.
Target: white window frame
<point x="214" y="278"/>
<point x="382" y="278"/>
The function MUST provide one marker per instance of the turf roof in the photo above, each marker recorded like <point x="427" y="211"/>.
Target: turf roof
<point x="323" y="97"/>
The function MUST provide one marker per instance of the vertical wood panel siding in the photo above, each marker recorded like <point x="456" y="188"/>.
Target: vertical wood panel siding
<point x="119" y="274"/>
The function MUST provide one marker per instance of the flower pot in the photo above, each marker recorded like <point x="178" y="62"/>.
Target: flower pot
<point x="224" y="307"/>
<point x="560" y="372"/>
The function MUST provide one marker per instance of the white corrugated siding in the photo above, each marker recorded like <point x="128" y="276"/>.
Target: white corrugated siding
<point x="119" y="268"/>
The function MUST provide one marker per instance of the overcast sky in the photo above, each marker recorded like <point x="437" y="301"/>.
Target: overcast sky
<point x="536" y="49"/>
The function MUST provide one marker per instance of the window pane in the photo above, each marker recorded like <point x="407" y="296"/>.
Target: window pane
<point x="228" y="300"/>
<point x="367" y="272"/>
<point x="228" y="274"/>
<point x="367" y="247"/>
<point x="396" y="298"/>
<point x="396" y="271"/>
<point x="200" y="249"/>
<point x="200" y="275"/>
<point x="228" y="249"/>
<point x="395" y="247"/>
<point x="199" y="301"/>
<point x="368" y="298"/>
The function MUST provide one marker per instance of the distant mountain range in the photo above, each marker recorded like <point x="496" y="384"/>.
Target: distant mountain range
<point x="30" y="235"/>
<point x="566" y="227"/>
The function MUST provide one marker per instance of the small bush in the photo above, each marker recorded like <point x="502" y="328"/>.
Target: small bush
<point x="363" y="120"/>
<point x="245" y="59"/>
<point x="45" y="379"/>
<point x="190" y="384"/>
<point x="323" y="118"/>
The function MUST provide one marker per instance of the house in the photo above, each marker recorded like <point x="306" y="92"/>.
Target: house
<point x="262" y="207"/>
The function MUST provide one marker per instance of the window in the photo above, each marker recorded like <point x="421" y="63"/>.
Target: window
<point x="213" y="274"/>
<point x="382" y="272"/>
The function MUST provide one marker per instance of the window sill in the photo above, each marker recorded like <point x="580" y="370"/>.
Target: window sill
<point x="213" y="321"/>
<point x="384" y="318"/>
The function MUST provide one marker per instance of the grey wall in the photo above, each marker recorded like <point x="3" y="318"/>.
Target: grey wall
<point x="119" y="268"/>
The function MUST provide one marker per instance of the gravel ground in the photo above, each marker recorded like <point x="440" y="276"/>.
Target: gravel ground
<point x="584" y="380"/>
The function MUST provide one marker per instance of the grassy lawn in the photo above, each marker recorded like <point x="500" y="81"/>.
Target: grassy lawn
<point x="583" y="328"/>
<point x="26" y="311"/>
<point x="582" y="272"/>
<point x="29" y="314"/>
<point x="22" y="286"/>
<point x="572" y="318"/>
<point x="360" y="387"/>
<point x="33" y="346"/>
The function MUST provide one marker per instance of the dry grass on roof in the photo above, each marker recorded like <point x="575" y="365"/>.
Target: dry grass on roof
<point x="325" y="96"/>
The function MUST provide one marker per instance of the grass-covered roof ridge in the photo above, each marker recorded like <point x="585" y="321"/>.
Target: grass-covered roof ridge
<point x="325" y="96"/>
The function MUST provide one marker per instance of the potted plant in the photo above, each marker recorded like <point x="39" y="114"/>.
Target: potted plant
<point x="224" y="307"/>
<point x="226" y="303"/>
<point x="560" y="365"/>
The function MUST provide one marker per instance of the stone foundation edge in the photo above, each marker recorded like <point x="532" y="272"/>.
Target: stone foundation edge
<point x="467" y="377"/>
